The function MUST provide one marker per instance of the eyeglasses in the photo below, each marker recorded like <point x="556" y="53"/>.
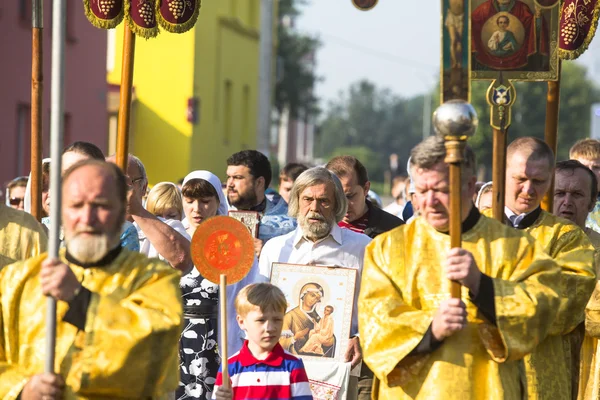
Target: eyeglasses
<point x="135" y="180"/>
<point x="307" y="202"/>
<point x="15" y="201"/>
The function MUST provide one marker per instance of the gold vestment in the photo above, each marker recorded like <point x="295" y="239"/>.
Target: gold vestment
<point x="21" y="236"/>
<point x="552" y="368"/>
<point x="403" y="284"/>
<point x="129" y="348"/>
<point x="589" y="371"/>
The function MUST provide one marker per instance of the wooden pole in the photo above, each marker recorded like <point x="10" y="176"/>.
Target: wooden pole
<point x="551" y="131"/>
<point x="223" y="328"/>
<point x="125" y="97"/>
<point x="36" y="107"/>
<point x="454" y="157"/>
<point x="499" y="172"/>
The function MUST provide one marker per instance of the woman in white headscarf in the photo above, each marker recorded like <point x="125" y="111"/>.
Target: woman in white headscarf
<point x="198" y="355"/>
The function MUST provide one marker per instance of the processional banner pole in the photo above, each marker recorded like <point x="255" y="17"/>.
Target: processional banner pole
<point x="37" y="86"/>
<point x="455" y="121"/>
<point x="57" y="103"/>
<point x="125" y="97"/>
<point x="551" y="130"/>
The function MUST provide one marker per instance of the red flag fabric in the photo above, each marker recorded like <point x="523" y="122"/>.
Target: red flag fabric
<point x="578" y="22"/>
<point x="104" y="14"/>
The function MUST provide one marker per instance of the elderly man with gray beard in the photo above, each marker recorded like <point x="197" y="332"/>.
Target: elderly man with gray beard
<point x="318" y="203"/>
<point x="118" y="312"/>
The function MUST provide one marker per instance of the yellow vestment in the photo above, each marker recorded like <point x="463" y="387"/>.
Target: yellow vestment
<point x="21" y="236"/>
<point x="129" y="348"/>
<point x="589" y="372"/>
<point x="403" y="284"/>
<point x="554" y="364"/>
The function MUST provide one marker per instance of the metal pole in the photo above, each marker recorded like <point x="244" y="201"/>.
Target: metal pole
<point x="125" y="97"/>
<point x="37" y="25"/>
<point x="265" y="77"/>
<point x="57" y="102"/>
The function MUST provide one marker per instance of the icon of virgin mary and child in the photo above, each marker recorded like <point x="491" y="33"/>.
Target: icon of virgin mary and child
<point x="304" y="331"/>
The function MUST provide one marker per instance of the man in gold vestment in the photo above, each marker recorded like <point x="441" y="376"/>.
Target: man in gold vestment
<point x="552" y="366"/>
<point x="21" y="236"/>
<point x="423" y="345"/>
<point x="575" y="193"/>
<point x="118" y="312"/>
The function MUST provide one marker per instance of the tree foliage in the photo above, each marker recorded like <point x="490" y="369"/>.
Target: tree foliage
<point x="295" y="59"/>
<point x="368" y="117"/>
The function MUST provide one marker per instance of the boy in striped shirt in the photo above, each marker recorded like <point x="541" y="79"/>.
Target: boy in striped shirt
<point x="262" y="369"/>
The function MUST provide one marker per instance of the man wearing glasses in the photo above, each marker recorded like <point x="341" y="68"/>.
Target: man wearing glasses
<point x="167" y="240"/>
<point x="21" y="236"/>
<point x="15" y="193"/>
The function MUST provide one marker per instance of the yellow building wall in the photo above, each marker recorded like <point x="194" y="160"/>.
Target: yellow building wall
<point x="216" y="62"/>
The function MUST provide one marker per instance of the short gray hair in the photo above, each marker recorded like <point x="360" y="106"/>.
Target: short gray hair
<point x="140" y="165"/>
<point x="432" y="151"/>
<point x="316" y="176"/>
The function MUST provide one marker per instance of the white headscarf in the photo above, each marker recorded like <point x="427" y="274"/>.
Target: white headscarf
<point x="485" y="185"/>
<point x="213" y="180"/>
<point x="27" y="201"/>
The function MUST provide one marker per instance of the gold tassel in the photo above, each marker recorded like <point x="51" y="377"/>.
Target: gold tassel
<point x="146" y="33"/>
<point x="573" y="54"/>
<point x="100" y="22"/>
<point x="178" y="28"/>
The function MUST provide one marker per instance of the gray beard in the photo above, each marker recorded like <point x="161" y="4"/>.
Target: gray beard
<point x="90" y="249"/>
<point x="315" y="230"/>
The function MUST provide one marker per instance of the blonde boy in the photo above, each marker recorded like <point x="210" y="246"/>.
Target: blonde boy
<point x="587" y="152"/>
<point x="262" y="369"/>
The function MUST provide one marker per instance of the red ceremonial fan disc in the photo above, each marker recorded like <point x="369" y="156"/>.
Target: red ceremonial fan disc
<point x="222" y="245"/>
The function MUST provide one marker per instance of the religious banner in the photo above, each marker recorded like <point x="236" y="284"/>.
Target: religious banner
<point x="364" y="5"/>
<point x="501" y="96"/>
<point x="516" y="37"/>
<point x="317" y="322"/>
<point x="455" y="50"/>
<point x="144" y="16"/>
<point x="578" y="23"/>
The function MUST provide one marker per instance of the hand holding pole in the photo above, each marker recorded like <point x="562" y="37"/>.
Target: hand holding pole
<point x="455" y="121"/>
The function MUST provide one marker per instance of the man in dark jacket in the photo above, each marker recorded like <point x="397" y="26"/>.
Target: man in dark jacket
<point x="362" y="217"/>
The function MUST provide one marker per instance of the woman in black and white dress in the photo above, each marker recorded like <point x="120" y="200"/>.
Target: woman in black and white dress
<point x="198" y="351"/>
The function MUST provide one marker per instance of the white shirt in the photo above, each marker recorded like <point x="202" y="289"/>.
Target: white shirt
<point x="342" y="248"/>
<point x="514" y="219"/>
<point x="148" y="248"/>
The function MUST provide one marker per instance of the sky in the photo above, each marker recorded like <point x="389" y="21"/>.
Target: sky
<point x="395" y="45"/>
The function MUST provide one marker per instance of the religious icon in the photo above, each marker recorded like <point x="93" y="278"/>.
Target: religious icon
<point x="317" y="323"/>
<point x="517" y="37"/>
<point x="364" y="5"/>
<point x="249" y="218"/>
<point x="455" y="50"/>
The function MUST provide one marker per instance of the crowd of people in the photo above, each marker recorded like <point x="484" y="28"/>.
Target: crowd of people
<point x="135" y="319"/>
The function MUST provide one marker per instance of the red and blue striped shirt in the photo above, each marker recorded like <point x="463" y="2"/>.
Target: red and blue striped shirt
<point x="279" y="376"/>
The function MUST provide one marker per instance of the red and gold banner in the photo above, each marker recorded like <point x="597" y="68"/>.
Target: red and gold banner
<point x="578" y="22"/>
<point x="144" y="16"/>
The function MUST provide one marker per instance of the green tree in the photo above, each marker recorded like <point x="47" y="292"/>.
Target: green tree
<point x="577" y="93"/>
<point x="295" y="55"/>
<point x="367" y="117"/>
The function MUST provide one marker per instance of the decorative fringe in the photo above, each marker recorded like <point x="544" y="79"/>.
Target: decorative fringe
<point x="103" y="23"/>
<point x="575" y="53"/>
<point x="150" y="27"/>
<point x="169" y="11"/>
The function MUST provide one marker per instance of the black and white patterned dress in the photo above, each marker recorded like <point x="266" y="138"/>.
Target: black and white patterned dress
<point x="198" y="350"/>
